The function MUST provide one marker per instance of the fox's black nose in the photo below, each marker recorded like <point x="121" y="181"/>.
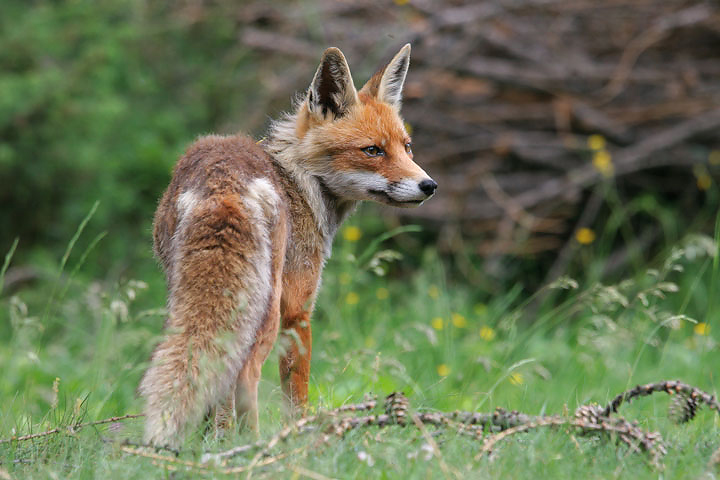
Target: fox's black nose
<point x="428" y="186"/>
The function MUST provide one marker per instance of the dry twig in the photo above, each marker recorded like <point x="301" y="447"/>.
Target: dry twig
<point x="670" y="387"/>
<point x="69" y="429"/>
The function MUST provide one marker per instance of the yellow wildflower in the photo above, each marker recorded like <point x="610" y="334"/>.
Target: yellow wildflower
<point x="714" y="157"/>
<point x="585" y="236"/>
<point x="437" y="323"/>
<point x="443" y="370"/>
<point x="701" y="328"/>
<point x="433" y="291"/>
<point x="352" y="233"/>
<point x="408" y="127"/>
<point x="602" y="161"/>
<point x="382" y="293"/>
<point x="480" y="309"/>
<point x="369" y="342"/>
<point x="487" y="333"/>
<point x="596" y="142"/>
<point x="704" y="181"/>
<point x="352" y="298"/>
<point x="516" y="378"/>
<point x="402" y="2"/>
<point x="458" y="320"/>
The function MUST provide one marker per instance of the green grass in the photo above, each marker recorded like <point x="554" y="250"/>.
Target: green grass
<point x="73" y="350"/>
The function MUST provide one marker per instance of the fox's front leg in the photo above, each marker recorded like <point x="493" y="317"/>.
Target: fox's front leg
<point x="297" y="303"/>
<point x="295" y="361"/>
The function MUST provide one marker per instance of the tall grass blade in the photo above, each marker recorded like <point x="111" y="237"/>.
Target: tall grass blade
<point x="508" y="371"/>
<point x="66" y="255"/>
<point x="715" y="272"/>
<point x="76" y="237"/>
<point x="81" y="262"/>
<point x="6" y="263"/>
<point x="372" y="248"/>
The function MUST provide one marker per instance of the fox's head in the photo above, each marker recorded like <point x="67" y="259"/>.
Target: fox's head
<point x="355" y="142"/>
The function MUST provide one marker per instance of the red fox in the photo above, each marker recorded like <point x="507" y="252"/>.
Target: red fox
<point x="243" y="232"/>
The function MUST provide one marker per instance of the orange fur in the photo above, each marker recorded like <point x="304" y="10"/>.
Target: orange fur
<point x="372" y="123"/>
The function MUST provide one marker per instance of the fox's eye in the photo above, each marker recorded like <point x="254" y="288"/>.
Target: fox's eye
<point x="373" y="151"/>
<point x="408" y="147"/>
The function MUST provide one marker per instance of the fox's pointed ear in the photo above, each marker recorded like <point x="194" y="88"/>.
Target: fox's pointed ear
<point x="332" y="91"/>
<point x="387" y="84"/>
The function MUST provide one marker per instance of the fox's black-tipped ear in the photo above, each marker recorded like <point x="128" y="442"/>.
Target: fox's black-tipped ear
<point x="332" y="91"/>
<point x="387" y="84"/>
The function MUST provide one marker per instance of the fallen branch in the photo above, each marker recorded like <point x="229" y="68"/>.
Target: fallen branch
<point x="670" y="387"/>
<point x="588" y="419"/>
<point x="301" y="426"/>
<point x="489" y="443"/>
<point x="492" y="428"/>
<point x="173" y="463"/>
<point x="70" y="429"/>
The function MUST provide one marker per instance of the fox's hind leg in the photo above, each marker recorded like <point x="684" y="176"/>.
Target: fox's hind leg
<point x="246" y="390"/>
<point x="242" y="405"/>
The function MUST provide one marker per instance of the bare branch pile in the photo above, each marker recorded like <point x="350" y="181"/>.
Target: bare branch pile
<point x="502" y="97"/>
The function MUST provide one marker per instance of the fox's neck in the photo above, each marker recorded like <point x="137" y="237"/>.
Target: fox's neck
<point x="328" y="210"/>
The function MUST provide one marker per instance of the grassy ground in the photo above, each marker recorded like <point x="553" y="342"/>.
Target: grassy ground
<point x="73" y="350"/>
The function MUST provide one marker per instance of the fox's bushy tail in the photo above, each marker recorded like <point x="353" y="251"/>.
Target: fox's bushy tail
<point x="220" y="281"/>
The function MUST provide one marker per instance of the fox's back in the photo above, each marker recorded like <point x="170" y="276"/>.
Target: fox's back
<point x="222" y="170"/>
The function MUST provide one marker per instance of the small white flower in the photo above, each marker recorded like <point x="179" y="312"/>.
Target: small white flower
<point x="119" y="309"/>
<point x="138" y="284"/>
<point x="428" y="449"/>
<point x="363" y="456"/>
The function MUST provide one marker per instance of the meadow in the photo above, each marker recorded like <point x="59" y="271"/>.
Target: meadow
<point x="99" y="99"/>
<point x="74" y="347"/>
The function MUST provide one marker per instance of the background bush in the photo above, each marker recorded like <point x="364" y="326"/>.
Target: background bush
<point x="97" y="101"/>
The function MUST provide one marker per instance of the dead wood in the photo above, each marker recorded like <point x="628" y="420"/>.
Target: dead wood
<point x="511" y="91"/>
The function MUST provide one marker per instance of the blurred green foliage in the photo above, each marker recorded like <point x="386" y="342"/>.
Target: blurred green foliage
<point x="97" y="100"/>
